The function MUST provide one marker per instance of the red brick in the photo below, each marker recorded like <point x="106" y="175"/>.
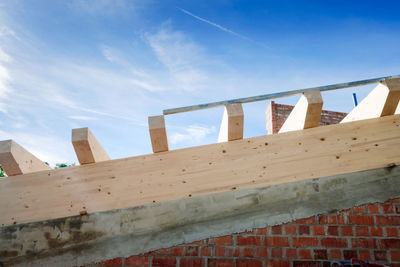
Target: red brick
<point x="331" y="219"/>
<point x="319" y="230"/>
<point x="276" y="252"/>
<point x="380" y="255"/>
<point x="248" y="263"/>
<point x="276" y="241"/>
<point x="163" y="262"/>
<point x="307" y="264"/>
<point x="392" y="232"/>
<point x="388" y="220"/>
<point x="262" y="253"/>
<point x="137" y="261"/>
<point x="320" y="254"/>
<point x="112" y="262"/>
<point x="395" y="200"/>
<point x="349" y="254"/>
<point x="347" y="230"/>
<point x="395" y="255"/>
<point x="205" y="251"/>
<point x="290" y="229"/>
<point x="248" y="241"/>
<point x="334" y="242"/>
<point x="291" y="253"/>
<point x="359" y="209"/>
<point x="233" y="252"/>
<point x="335" y="254"/>
<point x="277" y="263"/>
<point x="389" y="243"/>
<point x="363" y="243"/>
<point x="376" y="231"/>
<point x="309" y="220"/>
<point x="276" y="230"/>
<point x="361" y="219"/>
<point x="304" y="230"/>
<point x="191" y="262"/>
<point x="362" y="231"/>
<point x="388" y="209"/>
<point x="161" y="251"/>
<point x="178" y="251"/>
<point x="248" y="252"/>
<point x="305" y="254"/>
<point x="220" y="262"/>
<point x="199" y="242"/>
<point x="365" y="255"/>
<point x="262" y="231"/>
<point x="333" y="230"/>
<point x="222" y="240"/>
<point x="305" y="241"/>
<point x="219" y="251"/>
<point x="192" y="251"/>
<point x="373" y="208"/>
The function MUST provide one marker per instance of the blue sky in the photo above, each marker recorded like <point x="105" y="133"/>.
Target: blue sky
<point x="108" y="65"/>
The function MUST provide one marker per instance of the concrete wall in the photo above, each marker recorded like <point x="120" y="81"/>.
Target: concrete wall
<point x="368" y="232"/>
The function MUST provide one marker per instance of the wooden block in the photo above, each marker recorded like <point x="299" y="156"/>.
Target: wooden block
<point x="158" y="134"/>
<point x="232" y="123"/>
<point x="381" y="101"/>
<point x="16" y="160"/>
<point x="306" y="114"/>
<point x="270" y="117"/>
<point x="87" y="148"/>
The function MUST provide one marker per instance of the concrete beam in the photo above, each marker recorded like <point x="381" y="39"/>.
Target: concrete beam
<point x="306" y="114"/>
<point x="79" y="240"/>
<point x="232" y="123"/>
<point x="87" y="148"/>
<point x="16" y="160"/>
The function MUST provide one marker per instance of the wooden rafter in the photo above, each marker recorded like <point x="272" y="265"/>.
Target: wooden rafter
<point x="87" y="148"/>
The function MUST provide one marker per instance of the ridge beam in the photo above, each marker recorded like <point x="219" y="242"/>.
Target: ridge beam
<point x="381" y="101"/>
<point x="232" y="123"/>
<point x="158" y="133"/>
<point x="306" y="114"/>
<point x="16" y="160"/>
<point x="87" y="148"/>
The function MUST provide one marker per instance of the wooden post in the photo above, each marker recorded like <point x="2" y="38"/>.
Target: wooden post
<point x="16" y="160"/>
<point x="87" y="148"/>
<point x="381" y="101"/>
<point x="158" y="134"/>
<point x="306" y="114"/>
<point x="232" y="123"/>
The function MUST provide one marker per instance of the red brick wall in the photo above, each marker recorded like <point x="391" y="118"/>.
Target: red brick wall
<point x="280" y="112"/>
<point x="369" y="232"/>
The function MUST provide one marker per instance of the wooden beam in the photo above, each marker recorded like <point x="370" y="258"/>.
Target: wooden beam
<point x="158" y="134"/>
<point x="232" y="123"/>
<point x="306" y="114"/>
<point x="203" y="170"/>
<point x="16" y="160"/>
<point x="382" y="101"/>
<point x="87" y="148"/>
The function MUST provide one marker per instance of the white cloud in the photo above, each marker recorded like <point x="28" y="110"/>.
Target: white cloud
<point x="181" y="56"/>
<point x="83" y="118"/>
<point x="4" y="57"/>
<point x="193" y="133"/>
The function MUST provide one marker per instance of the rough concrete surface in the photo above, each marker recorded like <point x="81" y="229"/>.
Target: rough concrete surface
<point x="78" y="240"/>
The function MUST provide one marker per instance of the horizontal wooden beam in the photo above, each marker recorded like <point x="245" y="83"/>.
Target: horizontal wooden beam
<point x="232" y="123"/>
<point x="158" y="134"/>
<point x="87" y="148"/>
<point x="306" y="114"/>
<point x="381" y="101"/>
<point x="16" y="160"/>
<point x="160" y="177"/>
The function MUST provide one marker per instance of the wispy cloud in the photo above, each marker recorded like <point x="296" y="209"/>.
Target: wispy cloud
<point x="83" y="118"/>
<point x="193" y="134"/>
<point x="221" y="27"/>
